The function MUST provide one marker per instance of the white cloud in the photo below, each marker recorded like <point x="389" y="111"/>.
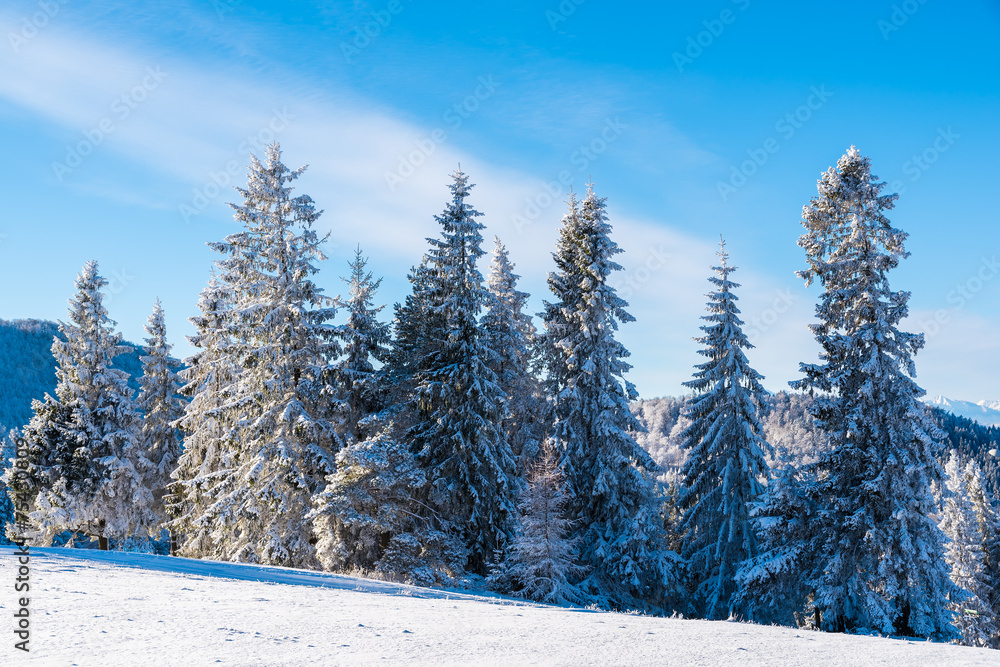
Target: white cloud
<point x="198" y="119"/>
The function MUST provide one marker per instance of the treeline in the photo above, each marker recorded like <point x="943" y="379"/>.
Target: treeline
<point x="459" y="443"/>
<point x="973" y="441"/>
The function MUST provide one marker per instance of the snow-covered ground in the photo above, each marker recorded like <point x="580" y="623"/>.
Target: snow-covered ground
<point x="105" y="608"/>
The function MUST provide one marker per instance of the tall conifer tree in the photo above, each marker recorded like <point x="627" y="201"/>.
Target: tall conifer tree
<point x="881" y="563"/>
<point x="205" y="458"/>
<point x="509" y="334"/>
<point x="161" y="406"/>
<point x="459" y="405"/>
<point x="725" y="467"/>
<point x="279" y="414"/>
<point x="84" y="468"/>
<point x="611" y="498"/>
<point x="974" y="617"/>
<point x="364" y="342"/>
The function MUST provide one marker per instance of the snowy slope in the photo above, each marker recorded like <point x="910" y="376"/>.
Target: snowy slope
<point x="986" y="413"/>
<point x="94" y="608"/>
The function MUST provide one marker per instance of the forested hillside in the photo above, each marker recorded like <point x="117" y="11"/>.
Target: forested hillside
<point x="788" y="427"/>
<point x="791" y="430"/>
<point x="28" y="370"/>
<point x="972" y="441"/>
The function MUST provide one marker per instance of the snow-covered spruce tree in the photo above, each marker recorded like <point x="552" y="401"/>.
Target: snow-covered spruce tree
<point x="367" y="519"/>
<point x="366" y="502"/>
<point x="84" y="464"/>
<point x="988" y="520"/>
<point x="774" y="586"/>
<point x="365" y="342"/>
<point x="205" y="458"/>
<point x="44" y="454"/>
<point x="974" y="619"/>
<point x="881" y="566"/>
<point x="458" y="404"/>
<point x="161" y="406"/>
<point x="509" y="333"/>
<point x="278" y="412"/>
<point x="725" y="467"/>
<point x="611" y="498"/>
<point x="541" y="562"/>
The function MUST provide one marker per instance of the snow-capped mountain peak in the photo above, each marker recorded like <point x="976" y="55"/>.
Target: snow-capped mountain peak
<point x="985" y="412"/>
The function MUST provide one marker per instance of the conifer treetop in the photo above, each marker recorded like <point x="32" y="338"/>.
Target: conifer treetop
<point x="849" y="191"/>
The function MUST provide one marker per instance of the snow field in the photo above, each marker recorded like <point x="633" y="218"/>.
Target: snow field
<point x="108" y="608"/>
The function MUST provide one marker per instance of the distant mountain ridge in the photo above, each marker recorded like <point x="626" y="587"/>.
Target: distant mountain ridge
<point x="984" y="412"/>
<point x="28" y="370"/>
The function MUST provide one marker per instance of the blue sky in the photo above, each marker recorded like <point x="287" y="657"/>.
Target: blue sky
<point x="127" y="124"/>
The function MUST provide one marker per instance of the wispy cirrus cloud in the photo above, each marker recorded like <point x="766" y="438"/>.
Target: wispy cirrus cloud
<point x="200" y="119"/>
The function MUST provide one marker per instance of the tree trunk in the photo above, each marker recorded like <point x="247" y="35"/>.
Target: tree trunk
<point x="102" y="543"/>
<point x="902" y="624"/>
<point x="174" y="546"/>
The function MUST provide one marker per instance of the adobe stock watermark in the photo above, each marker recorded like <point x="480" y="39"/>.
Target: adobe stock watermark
<point x="581" y="158"/>
<point x="22" y="582"/>
<point x="452" y="118"/>
<point x="217" y="180"/>
<point x="901" y="13"/>
<point x="767" y="318"/>
<point x="363" y="35"/>
<point x="696" y="44"/>
<point x="118" y="281"/>
<point x="962" y="294"/>
<point x="919" y="163"/>
<point x="562" y="13"/>
<point x="225" y="7"/>
<point x="32" y="24"/>
<point x="121" y="108"/>
<point x="786" y="126"/>
<point x="634" y="280"/>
